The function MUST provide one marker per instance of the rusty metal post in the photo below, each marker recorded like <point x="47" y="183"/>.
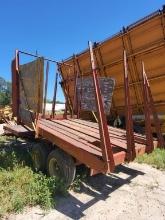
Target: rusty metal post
<point x="147" y="113"/>
<point x="55" y="95"/>
<point x="128" y="114"/>
<point x="81" y="77"/>
<point x="75" y="98"/>
<point x="64" y="88"/>
<point x="161" y="140"/>
<point x="46" y="87"/>
<point x="17" y="73"/>
<point x="103" y="128"/>
<point x="20" y="82"/>
<point x="15" y="86"/>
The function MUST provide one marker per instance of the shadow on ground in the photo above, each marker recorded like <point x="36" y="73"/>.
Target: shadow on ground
<point x="99" y="187"/>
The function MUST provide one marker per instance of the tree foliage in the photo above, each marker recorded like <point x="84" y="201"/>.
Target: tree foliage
<point x="5" y="92"/>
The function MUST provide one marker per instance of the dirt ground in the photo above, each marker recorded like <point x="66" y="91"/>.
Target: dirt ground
<point x="135" y="191"/>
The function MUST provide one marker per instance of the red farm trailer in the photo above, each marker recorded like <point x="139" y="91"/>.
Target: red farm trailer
<point x="72" y="140"/>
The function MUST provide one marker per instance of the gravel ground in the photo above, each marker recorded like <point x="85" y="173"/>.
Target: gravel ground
<point x="135" y="191"/>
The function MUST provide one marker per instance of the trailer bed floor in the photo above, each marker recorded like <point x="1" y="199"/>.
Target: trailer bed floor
<point x="81" y="139"/>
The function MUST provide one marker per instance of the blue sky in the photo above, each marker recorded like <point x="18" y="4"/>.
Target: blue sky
<point x="59" y="28"/>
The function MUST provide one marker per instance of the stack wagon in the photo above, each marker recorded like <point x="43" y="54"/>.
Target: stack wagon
<point x="82" y="135"/>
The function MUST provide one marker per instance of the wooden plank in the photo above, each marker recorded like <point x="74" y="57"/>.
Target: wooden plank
<point x="120" y="132"/>
<point x="72" y="131"/>
<point x="80" y="142"/>
<point x="95" y="126"/>
<point x="78" y="150"/>
<point x="19" y="130"/>
<point x="89" y="130"/>
<point x="115" y="141"/>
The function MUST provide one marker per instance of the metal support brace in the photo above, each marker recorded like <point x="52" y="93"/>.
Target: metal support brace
<point x="161" y="140"/>
<point x="147" y="113"/>
<point x="55" y="95"/>
<point x="15" y="88"/>
<point x="75" y="98"/>
<point x="22" y="85"/>
<point x="103" y="128"/>
<point x="46" y="87"/>
<point x="79" y="99"/>
<point x="128" y="114"/>
<point x="65" y="90"/>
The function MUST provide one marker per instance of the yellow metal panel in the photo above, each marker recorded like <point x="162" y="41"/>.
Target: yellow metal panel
<point x="142" y="41"/>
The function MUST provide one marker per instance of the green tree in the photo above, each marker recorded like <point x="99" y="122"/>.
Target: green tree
<point x="5" y="92"/>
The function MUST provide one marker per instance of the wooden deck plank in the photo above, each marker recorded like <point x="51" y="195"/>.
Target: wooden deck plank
<point x="93" y="133"/>
<point x="79" y="141"/>
<point x="80" y="151"/>
<point x="94" y="126"/>
<point x="139" y="138"/>
<point x="72" y="131"/>
<point x="89" y="130"/>
<point x="19" y="130"/>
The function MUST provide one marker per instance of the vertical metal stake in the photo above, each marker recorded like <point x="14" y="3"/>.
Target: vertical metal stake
<point x="46" y="87"/>
<point x="131" y="154"/>
<point x="103" y="128"/>
<point x="147" y="113"/>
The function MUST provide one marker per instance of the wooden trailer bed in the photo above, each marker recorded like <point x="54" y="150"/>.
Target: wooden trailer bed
<point x="81" y="139"/>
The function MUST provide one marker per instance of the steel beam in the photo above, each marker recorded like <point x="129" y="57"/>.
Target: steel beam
<point x="15" y="89"/>
<point x="46" y="87"/>
<point x="128" y="114"/>
<point x="103" y="128"/>
<point x="147" y="114"/>
<point x="55" y="95"/>
<point x="161" y="140"/>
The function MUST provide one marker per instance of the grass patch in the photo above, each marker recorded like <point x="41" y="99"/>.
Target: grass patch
<point x="156" y="159"/>
<point x="20" y="186"/>
<point x="81" y="176"/>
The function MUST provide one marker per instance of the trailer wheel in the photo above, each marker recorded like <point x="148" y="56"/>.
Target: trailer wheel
<point x="62" y="165"/>
<point x="39" y="157"/>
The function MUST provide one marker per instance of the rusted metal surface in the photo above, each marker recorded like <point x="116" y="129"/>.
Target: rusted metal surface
<point x="147" y="113"/>
<point x="104" y="135"/>
<point x="77" y="149"/>
<point x="55" y="95"/>
<point x="46" y="87"/>
<point x="65" y="90"/>
<point x="15" y="89"/>
<point x="38" y="56"/>
<point x="128" y="114"/>
<point x="161" y="140"/>
<point x="81" y="139"/>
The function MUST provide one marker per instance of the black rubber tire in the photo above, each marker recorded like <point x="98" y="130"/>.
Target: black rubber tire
<point x="62" y="165"/>
<point x="39" y="157"/>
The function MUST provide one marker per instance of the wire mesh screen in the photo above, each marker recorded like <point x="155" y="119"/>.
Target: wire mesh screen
<point x="86" y="93"/>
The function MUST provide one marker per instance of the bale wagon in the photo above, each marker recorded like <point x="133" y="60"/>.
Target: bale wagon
<point x="68" y="140"/>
